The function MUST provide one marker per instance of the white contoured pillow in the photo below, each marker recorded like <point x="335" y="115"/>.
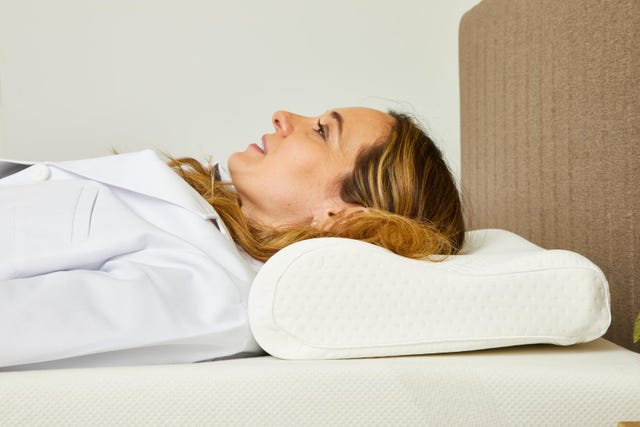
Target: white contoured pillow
<point x="336" y="298"/>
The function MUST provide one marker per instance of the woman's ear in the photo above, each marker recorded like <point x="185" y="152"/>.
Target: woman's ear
<point x="325" y="218"/>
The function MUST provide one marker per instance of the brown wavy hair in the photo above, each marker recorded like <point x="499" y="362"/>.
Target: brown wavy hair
<point x="413" y="205"/>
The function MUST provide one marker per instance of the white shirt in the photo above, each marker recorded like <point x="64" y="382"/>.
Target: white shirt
<point x="116" y="261"/>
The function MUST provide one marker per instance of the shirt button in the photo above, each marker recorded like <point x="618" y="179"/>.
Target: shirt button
<point x="40" y="172"/>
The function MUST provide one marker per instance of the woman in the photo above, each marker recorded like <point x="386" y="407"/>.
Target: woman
<point x="117" y="260"/>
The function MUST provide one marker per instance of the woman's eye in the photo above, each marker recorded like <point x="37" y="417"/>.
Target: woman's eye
<point x="321" y="130"/>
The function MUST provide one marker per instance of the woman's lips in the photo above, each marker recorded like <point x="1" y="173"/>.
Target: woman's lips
<point x="257" y="147"/>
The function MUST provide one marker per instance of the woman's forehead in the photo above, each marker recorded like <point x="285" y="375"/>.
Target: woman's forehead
<point x="363" y="121"/>
<point x="363" y="113"/>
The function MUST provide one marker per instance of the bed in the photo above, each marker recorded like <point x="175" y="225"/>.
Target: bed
<point x="550" y="106"/>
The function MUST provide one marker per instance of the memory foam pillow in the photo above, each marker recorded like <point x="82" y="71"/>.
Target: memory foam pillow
<point x="334" y="298"/>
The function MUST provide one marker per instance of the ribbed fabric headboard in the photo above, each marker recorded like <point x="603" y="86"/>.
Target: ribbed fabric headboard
<point x="550" y="112"/>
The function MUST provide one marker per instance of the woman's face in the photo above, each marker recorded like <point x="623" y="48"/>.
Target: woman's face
<point x="292" y="177"/>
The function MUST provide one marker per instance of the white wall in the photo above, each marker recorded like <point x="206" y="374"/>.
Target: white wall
<point x="203" y="77"/>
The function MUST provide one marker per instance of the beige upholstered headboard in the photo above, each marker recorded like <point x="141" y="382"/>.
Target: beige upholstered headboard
<point x="550" y="111"/>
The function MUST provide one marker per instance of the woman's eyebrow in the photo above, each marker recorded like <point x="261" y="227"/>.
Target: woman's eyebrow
<point x="338" y="118"/>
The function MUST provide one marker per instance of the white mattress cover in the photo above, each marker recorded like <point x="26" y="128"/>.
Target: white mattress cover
<point x="592" y="384"/>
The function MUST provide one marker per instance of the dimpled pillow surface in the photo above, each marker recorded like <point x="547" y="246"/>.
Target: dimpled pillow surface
<point x="336" y="298"/>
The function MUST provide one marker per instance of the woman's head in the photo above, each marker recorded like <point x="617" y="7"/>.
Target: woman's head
<point x="408" y="177"/>
<point x="353" y="172"/>
<point x="292" y="177"/>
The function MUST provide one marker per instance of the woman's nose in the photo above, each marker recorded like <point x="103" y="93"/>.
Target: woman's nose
<point x="282" y="122"/>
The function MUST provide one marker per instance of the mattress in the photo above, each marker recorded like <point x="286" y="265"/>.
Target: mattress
<point x="591" y="384"/>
